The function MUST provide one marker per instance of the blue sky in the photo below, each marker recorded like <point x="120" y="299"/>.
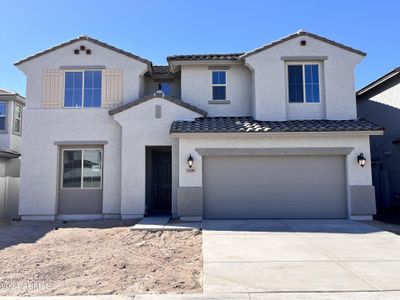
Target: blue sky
<point x="156" y="29"/>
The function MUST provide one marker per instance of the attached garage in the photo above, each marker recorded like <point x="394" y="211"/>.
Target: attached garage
<point x="274" y="186"/>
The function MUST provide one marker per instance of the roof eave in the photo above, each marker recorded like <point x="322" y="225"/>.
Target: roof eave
<point x="176" y="101"/>
<point x="302" y="33"/>
<point x="84" y="38"/>
<point x="378" y="81"/>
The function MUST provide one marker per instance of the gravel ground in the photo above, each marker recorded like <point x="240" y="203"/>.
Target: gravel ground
<point x="94" y="258"/>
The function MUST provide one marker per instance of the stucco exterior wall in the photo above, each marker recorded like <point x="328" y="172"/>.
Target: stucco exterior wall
<point x="196" y="89"/>
<point x="140" y="128"/>
<point x="131" y="69"/>
<point x="356" y="174"/>
<point x="39" y="165"/>
<point x="338" y="93"/>
<point x="382" y="106"/>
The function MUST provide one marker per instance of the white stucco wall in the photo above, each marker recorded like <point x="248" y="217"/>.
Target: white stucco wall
<point x="132" y="69"/>
<point x="39" y="165"/>
<point x="270" y="94"/>
<point x="196" y="88"/>
<point x="140" y="128"/>
<point x="355" y="174"/>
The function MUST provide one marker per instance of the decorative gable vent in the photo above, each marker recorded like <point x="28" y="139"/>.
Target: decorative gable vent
<point x="83" y="49"/>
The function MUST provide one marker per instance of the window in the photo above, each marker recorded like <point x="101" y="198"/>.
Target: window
<point x="165" y="87"/>
<point x="82" y="89"/>
<point x="17" y="118"/>
<point x="219" y="85"/>
<point x="303" y="83"/>
<point x="3" y="115"/>
<point x="82" y="169"/>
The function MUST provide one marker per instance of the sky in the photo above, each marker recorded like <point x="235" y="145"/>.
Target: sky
<point x="155" y="29"/>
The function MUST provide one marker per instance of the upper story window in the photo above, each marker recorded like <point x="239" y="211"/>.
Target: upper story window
<point x="303" y="83"/>
<point x="219" y="85"/>
<point x="165" y="87"/>
<point x="3" y="116"/>
<point x="17" y="118"/>
<point x="82" y="89"/>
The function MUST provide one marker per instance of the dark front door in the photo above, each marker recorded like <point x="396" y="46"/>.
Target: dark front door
<point x="160" y="188"/>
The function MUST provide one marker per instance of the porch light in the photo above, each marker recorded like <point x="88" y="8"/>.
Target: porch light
<point x="361" y="160"/>
<point x="190" y="161"/>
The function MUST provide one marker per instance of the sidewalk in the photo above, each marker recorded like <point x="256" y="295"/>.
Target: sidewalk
<point x="393" y="295"/>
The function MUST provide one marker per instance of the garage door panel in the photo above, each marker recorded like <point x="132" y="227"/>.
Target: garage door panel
<point x="274" y="187"/>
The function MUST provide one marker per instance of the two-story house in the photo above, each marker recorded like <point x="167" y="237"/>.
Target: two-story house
<point x="379" y="101"/>
<point x="270" y="133"/>
<point x="11" y="107"/>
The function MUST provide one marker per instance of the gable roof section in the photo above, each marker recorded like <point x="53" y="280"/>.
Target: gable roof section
<point x="302" y="33"/>
<point x="205" y="57"/>
<point x="84" y="38"/>
<point x="378" y="81"/>
<point x="250" y="125"/>
<point x="5" y="92"/>
<point x="174" y="100"/>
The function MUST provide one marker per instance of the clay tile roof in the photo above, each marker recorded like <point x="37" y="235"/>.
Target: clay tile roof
<point x="249" y="125"/>
<point x="216" y="57"/>
<point x="161" y="70"/>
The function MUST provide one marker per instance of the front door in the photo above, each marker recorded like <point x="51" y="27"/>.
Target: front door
<point x="160" y="187"/>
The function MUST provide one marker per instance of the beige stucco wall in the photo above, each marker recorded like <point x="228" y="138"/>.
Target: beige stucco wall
<point x="197" y="90"/>
<point x="39" y="161"/>
<point x="140" y="128"/>
<point x="270" y="96"/>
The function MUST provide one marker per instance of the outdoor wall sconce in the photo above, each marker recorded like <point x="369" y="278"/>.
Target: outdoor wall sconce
<point x="190" y="161"/>
<point x="361" y="160"/>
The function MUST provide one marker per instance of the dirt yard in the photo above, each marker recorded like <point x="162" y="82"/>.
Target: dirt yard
<point x="98" y="257"/>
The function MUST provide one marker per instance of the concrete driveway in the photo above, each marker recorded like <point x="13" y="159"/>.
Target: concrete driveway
<point x="254" y="256"/>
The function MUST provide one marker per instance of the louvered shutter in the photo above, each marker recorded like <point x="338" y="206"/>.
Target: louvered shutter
<point x="53" y="89"/>
<point x="111" y="88"/>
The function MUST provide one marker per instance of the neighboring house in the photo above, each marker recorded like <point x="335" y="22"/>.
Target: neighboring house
<point x="379" y="101"/>
<point x="270" y="133"/>
<point x="11" y="106"/>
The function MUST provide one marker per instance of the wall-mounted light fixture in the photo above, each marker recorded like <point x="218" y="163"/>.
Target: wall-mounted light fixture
<point x="361" y="160"/>
<point x="190" y="161"/>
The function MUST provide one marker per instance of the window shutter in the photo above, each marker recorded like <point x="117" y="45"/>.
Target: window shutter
<point x="111" y="94"/>
<point x="53" y="89"/>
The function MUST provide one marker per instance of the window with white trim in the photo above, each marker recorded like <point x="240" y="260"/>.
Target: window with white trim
<point x="17" y="118"/>
<point x="219" y="85"/>
<point x="3" y="116"/>
<point x="82" y="168"/>
<point x="82" y="89"/>
<point x="303" y="83"/>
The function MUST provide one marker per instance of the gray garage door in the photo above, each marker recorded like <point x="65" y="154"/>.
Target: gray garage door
<point x="274" y="187"/>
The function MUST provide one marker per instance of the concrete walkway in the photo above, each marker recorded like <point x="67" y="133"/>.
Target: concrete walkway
<point x="258" y="256"/>
<point x="261" y="296"/>
<point x="163" y="224"/>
